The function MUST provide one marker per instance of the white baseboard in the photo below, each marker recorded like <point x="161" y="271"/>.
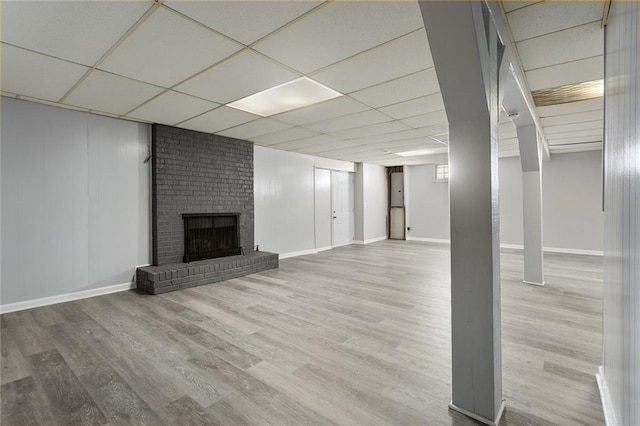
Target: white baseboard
<point x="298" y="253"/>
<point x="478" y="417"/>
<point x="512" y="246"/>
<point x="370" y="240"/>
<point x="605" y="397"/>
<point x="534" y="283"/>
<point x="68" y="297"/>
<point x="429" y="240"/>
<point x="324" y="248"/>
<point x="519" y="247"/>
<point x="574" y="251"/>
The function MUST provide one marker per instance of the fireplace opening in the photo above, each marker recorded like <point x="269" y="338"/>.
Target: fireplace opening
<point x="210" y="235"/>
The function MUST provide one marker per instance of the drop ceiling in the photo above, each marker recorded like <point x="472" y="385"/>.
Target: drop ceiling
<point x="178" y="63"/>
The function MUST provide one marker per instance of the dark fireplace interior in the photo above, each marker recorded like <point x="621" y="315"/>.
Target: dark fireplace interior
<point x="210" y="235"/>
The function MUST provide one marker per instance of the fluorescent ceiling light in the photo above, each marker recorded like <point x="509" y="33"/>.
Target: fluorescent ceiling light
<point x="419" y="152"/>
<point x="285" y="97"/>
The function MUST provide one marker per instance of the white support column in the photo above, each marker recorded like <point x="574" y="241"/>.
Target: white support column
<point x="532" y="204"/>
<point x="464" y="47"/>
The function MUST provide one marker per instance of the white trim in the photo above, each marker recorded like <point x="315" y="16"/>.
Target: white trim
<point x="298" y="253"/>
<point x="429" y="240"/>
<point x="512" y="246"/>
<point x="323" y="248"/>
<point x="375" y="240"/>
<point x="574" y="251"/>
<point x="534" y="283"/>
<point x="358" y="242"/>
<point x="605" y="397"/>
<point x="519" y="247"/>
<point x="477" y="417"/>
<point x="67" y="297"/>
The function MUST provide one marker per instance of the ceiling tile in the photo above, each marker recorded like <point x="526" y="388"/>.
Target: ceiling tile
<point x="221" y="118"/>
<point x="564" y="74"/>
<point x="39" y="76"/>
<point x="283" y="136"/>
<point x="258" y="127"/>
<point x="263" y="17"/>
<point x="349" y="121"/>
<point x="436" y="129"/>
<point x="592" y="133"/>
<point x="510" y="6"/>
<point x="415" y="107"/>
<point x="586" y="125"/>
<point x="405" y="142"/>
<point x="242" y="75"/>
<point x="324" y="147"/>
<point x="322" y="111"/>
<point x="397" y="58"/>
<point x="403" y="89"/>
<point x="568" y="45"/>
<point x="577" y="139"/>
<point x="171" y="108"/>
<point x="571" y="107"/>
<point x="347" y="151"/>
<point x="53" y="27"/>
<point x="371" y="130"/>
<point x="111" y="93"/>
<point x="339" y="30"/>
<point x="305" y="142"/>
<point x="395" y="136"/>
<point x="425" y="120"/>
<point x="168" y="48"/>
<point x="547" y="17"/>
<point x="572" y="118"/>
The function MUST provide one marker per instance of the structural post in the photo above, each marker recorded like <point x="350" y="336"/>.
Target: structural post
<point x="466" y="54"/>
<point x="532" y="204"/>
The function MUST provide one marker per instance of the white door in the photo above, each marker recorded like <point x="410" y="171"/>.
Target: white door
<point x="322" y="191"/>
<point x="342" y="184"/>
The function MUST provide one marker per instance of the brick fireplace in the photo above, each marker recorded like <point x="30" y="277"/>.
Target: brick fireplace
<point x="199" y="174"/>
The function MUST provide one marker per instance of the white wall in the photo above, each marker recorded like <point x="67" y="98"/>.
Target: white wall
<point x="572" y="201"/>
<point x="427" y="204"/>
<point x="620" y="379"/>
<point x="284" y="199"/>
<point x="572" y="217"/>
<point x="510" y="181"/>
<point x="374" y="203"/>
<point x="75" y="202"/>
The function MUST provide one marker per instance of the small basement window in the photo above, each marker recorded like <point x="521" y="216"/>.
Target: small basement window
<point x="441" y="173"/>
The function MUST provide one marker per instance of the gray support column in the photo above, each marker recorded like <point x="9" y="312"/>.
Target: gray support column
<point x="532" y="204"/>
<point x="465" y="51"/>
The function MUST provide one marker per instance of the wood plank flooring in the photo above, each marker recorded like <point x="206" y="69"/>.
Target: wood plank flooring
<point x="357" y="335"/>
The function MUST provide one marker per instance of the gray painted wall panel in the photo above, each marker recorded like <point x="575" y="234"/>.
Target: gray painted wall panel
<point x="374" y="204"/>
<point x="621" y="326"/>
<point x="427" y="204"/>
<point x="72" y="215"/>
<point x="572" y="201"/>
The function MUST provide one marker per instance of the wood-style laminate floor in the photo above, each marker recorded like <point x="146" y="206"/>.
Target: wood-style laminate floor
<point x="357" y="335"/>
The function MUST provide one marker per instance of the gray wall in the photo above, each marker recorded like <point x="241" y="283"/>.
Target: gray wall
<point x="427" y="204"/>
<point x="284" y="199"/>
<point x="572" y="216"/>
<point x="622" y="215"/>
<point x="75" y="201"/>
<point x="374" y="202"/>
<point x="572" y="201"/>
<point x="510" y="181"/>
<point x="196" y="172"/>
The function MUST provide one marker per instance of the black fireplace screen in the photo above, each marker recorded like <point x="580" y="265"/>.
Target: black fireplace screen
<point x="209" y="235"/>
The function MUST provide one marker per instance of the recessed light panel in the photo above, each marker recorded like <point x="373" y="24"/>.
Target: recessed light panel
<point x="294" y="94"/>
